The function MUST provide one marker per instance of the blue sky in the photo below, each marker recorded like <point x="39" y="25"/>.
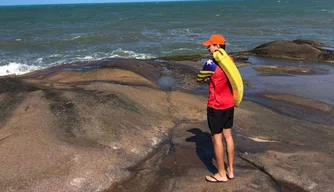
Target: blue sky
<point x="30" y="2"/>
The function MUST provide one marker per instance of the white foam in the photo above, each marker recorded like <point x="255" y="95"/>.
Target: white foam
<point x="39" y="60"/>
<point x="183" y="49"/>
<point x="88" y="58"/>
<point x="76" y="37"/>
<point x="55" y="55"/>
<point x="17" y="69"/>
<point x="120" y="53"/>
<point x="172" y="51"/>
<point x="326" y="10"/>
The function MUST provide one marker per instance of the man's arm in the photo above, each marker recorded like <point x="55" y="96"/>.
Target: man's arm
<point x="207" y="71"/>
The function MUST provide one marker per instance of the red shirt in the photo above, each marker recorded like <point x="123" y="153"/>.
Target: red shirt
<point x="220" y="91"/>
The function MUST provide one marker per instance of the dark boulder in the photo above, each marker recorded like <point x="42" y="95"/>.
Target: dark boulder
<point x="306" y="50"/>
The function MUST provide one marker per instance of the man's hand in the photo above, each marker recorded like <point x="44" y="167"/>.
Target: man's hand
<point x="206" y="80"/>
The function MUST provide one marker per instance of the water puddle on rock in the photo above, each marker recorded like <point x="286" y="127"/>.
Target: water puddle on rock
<point x="82" y="68"/>
<point x="166" y="82"/>
<point x="328" y="48"/>
<point x="317" y="87"/>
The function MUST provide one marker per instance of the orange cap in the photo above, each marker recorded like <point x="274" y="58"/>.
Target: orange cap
<point x="215" y="39"/>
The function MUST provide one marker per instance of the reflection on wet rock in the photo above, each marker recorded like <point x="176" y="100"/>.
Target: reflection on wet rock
<point x="283" y="69"/>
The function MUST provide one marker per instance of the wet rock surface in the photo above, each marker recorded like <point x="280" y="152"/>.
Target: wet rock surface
<point x="284" y="69"/>
<point x="130" y="125"/>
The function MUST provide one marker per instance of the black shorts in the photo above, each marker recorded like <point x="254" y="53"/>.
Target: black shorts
<point x="220" y="119"/>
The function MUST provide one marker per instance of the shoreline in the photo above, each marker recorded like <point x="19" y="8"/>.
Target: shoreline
<point x="300" y="50"/>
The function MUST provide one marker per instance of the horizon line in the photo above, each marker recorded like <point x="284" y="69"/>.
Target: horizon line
<point x="143" y="1"/>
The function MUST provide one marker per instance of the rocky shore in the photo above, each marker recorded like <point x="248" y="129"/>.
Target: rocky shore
<point x="140" y="125"/>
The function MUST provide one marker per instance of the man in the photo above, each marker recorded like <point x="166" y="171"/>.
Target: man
<point x="220" y="110"/>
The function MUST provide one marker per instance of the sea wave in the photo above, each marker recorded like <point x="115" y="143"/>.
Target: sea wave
<point x="327" y="10"/>
<point x="17" y="69"/>
<point x="20" y="45"/>
<point x="120" y="53"/>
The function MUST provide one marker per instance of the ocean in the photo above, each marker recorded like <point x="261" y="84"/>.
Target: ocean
<point x="39" y="36"/>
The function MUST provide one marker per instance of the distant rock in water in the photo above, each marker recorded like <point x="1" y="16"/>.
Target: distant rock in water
<point x="299" y="49"/>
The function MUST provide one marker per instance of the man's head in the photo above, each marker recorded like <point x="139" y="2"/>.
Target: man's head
<point x="215" y="42"/>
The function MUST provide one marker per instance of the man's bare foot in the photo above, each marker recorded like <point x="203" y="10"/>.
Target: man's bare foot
<point x="230" y="174"/>
<point x="216" y="178"/>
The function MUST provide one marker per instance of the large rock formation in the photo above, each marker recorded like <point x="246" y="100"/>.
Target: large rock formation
<point x="80" y="130"/>
<point x="128" y="125"/>
<point x="302" y="50"/>
<point x="305" y="50"/>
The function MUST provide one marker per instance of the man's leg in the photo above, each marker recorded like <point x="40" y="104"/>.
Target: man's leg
<point x="230" y="151"/>
<point x="217" y="140"/>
